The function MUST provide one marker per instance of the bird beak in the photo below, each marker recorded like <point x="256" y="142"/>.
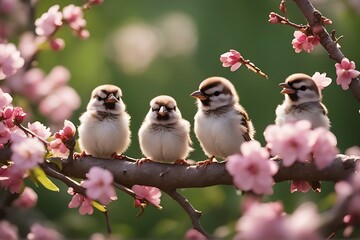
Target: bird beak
<point x="199" y="95"/>
<point x="111" y="99"/>
<point x="163" y="111"/>
<point x="286" y="88"/>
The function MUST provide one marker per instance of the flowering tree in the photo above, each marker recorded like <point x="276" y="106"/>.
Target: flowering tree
<point x="34" y="153"/>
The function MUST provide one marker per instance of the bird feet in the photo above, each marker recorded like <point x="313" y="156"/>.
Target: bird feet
<point x="143" y="160"/>
<point x="181" y="162"/>
<point x="118" y="156"/>
<point x="80" y="155"/>
<point x="206" y="162"/>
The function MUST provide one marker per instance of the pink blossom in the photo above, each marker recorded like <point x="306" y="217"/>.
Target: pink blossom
<point x="273" y="18"/>
<point x="68" y="131"/>
<point x="7" y="6"/>
<point x="18" y="115"/>
<point x="301" y="186"/>
<point x="28" y="83"/>
<point x="231" y="59"/>
<point x="39" y="232"/>
<point x="354" y="150"/>
<point x="57" y="78"/>
<point x="304" y="42"/>
<point x="11" y="178"/>
<point x="10" y="60"/>
<point x="28" y="153"/>
<point x="5" y="136"/>
<point x="58" y="148"/>
<point x="83" y="34"/>
<point x="151" y="194"/>
<point x="5" y="99"/>
<point x="345" y="71"/>
<point x="321" y="80"/>
<point x="251" y="169"/>
<point x="8" y="231"/>
<point x="49" y="21"/>
<point x="73" y="15"/>
<point x="57" y="44"/>
<point x="193" y="234"/>
<point x="96" y="2"/>
<point x="291" y="141"/>
<point x="28" y="45"/>
<point x="13" y="116"/>
<point x="39" y="129"/>
<point x="60" y="104"/>
<point x="324" y="149"/>
<point x="99" y="185"/>
<point x="79" y="200"/>
<point x="263" y="221"/>
<point x="303" y="223"/>
<point x="27" y="199"/>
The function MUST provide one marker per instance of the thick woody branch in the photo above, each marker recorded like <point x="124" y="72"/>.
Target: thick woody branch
<point x="313" y="17"/>
<point x="169" y="176"/>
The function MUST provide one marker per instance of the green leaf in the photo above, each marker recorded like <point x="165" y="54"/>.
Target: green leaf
<point x="40" y="176"/>
<point x="98" y="206"/>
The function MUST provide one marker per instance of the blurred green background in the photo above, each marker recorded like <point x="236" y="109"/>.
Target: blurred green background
<point x="168" y="47"/>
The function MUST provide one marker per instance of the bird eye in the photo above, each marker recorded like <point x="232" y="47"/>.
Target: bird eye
<point x="303" y="88"/>
<point x="217" y="93"/>
<point x="118" y="98"/>
<point x="155" y="109"/>
<point x="99" y="98"/>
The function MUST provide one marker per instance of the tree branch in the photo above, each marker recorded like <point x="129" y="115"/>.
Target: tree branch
<point x="194" y="214"/>
<point x="313" y="17"/>
<point x="169" y="176"/>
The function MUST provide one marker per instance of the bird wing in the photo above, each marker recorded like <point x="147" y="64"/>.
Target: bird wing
<point x="244" y="122"/>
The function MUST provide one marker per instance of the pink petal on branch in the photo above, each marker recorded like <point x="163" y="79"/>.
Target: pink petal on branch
<point x="345" y="71"/>
<point x="321" y="80"/>
<point x="73" y="15"/>
<point x="151" y="194"/>
<point x="10" y="60"/>
<point x="292" y="141"/>
<point x="251" y="169"/>
<point x="49" y="21"/>
<point x="8" y="231"/>
<point x="99" y="185"/>
<point x="39" y="232"/>
<point x="28" y="153"/>
<point x="27" y="199"/>
<point x="231" y="59"/>
<point x="324" y="149"/>
<point x="5" y="99"/>
<point x="39" y="129"/>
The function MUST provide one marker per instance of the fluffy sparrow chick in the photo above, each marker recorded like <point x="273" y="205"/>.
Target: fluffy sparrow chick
<point x="302" y="102"/>
<point x="104" y="127"/>
<point x="164" y="134"/>
<point x="221" y="123"/>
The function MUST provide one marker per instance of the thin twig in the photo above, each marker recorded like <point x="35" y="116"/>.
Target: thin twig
<point x="193" y="214"/>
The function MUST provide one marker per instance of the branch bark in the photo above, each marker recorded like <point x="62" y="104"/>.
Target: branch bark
<point x="313" y="17"/>
<point x="169" y="176"/>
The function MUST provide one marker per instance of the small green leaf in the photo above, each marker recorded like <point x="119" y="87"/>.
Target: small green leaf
<point x="40" y="176"/>
<point x="98" y="206"/>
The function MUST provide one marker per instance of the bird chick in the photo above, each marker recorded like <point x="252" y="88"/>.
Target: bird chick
<point x="221" y="123"/>
<point x="302" y="102"/>
<point x="164" y="134"/>
<point x="104" y="128"/>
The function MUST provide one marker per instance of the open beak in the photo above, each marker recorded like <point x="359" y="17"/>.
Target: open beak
<point x="199" y="95"/>
<point x="286" y="88"/>
<point x="111" y="99"/>
<point x="163" y="111"/>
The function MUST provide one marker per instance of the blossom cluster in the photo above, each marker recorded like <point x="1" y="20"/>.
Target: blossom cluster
<point x="350" y="189"/>
<point x="98" y="187"/>
<point x="28" y="146"/>
<point x="298" y="142"/>
<point x="251" y="169"/>
<point x="268" y="221"/>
